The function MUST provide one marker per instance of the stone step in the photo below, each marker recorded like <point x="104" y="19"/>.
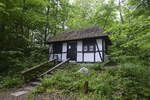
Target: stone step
<point x="38" y="79"/>
<point x="29" y="88"/>
<point x="19" y="93"/>
<point x="35" y="83"/>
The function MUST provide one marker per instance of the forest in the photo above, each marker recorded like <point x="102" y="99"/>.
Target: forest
<point x="25" y="26"/>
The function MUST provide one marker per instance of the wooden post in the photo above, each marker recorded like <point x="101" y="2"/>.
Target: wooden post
<point x="85" y="89"/>
<point x="24" y="78"/>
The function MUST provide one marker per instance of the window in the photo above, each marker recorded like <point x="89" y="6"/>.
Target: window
<point x="57" y="48"/>
<point x="85" y="48"/>
<point x="89" y="45"/>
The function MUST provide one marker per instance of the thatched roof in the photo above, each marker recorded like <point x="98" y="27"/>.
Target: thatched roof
<point x="91" y="32"/>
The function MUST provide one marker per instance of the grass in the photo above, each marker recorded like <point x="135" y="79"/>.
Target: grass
<point x="126" y="81"/>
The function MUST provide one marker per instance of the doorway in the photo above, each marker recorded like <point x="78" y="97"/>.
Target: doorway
<point x="72" y="50"/>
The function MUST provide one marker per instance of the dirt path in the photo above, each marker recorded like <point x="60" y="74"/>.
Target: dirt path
<point x="8" y="96"/>
<point x="24" y="92"/>
<point x="51" y="96"/>
<point x="19" y="93"/>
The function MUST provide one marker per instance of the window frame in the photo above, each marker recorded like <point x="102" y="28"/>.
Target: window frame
<point x="88" y="43"/>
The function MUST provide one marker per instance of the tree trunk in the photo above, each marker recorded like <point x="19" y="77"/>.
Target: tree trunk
<point x="47" y="23"/>
<point x="106" y="20"/>
<point x="121" y="17"/>
<point x="2" y="28"/>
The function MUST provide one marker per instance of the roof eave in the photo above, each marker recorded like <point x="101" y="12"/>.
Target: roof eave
<point x="50" y="42"/>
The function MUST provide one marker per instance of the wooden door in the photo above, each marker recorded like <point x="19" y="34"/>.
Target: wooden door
<point x="72" y="50"/>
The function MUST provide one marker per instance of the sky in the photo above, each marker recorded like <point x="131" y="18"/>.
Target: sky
<point x="71" y="1"/>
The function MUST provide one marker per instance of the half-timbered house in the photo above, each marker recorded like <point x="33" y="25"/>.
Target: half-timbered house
<point x="84" y="45"/>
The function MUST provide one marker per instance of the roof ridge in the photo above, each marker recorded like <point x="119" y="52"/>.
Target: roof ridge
<point x="89" y="32"/>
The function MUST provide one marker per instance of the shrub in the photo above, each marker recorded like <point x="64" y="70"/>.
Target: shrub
<point x="9" y="82"/>
<point x="13" y="62"/>
<point x="64" y="80"/>
<point x="98" y="66"/>
<point x="133" y="80"/>
<point x="127" y="81"/>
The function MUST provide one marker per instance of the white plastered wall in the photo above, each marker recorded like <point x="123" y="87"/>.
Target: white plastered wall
<point x="97" y="55"/>
<point x="50" y="52"/>
<point x="88" y="57"/>
<point x="79" y="51"/>
<point x="64" y="51"/>
<point x="58" y="55"/>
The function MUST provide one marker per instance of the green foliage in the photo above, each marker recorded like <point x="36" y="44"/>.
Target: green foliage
<point x="133" y="80"/>
<point x="85" y="13"/>
<point x="98" y="66"/>
<point x="10" y="82"/>
<point x="127" y="81"/>
<point x="131" y="43"/>
<point x="17" y="61"/>
<point x="8" y="58"/>
<point x="63" y="81"/>
<point x="26" y="24"/>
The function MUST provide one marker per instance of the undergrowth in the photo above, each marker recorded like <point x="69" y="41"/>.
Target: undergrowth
<point x="126" y="81"/>
<point x="10" y="77"/>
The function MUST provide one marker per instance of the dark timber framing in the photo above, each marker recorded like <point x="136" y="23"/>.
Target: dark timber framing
<point x="82" y="52"/>
<point x="94" y="43"/>
<point x="94" y="49"/>
<point x="88" y="42"/>
<point x="99" y="51"/>
<point x="103" y="49"/>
